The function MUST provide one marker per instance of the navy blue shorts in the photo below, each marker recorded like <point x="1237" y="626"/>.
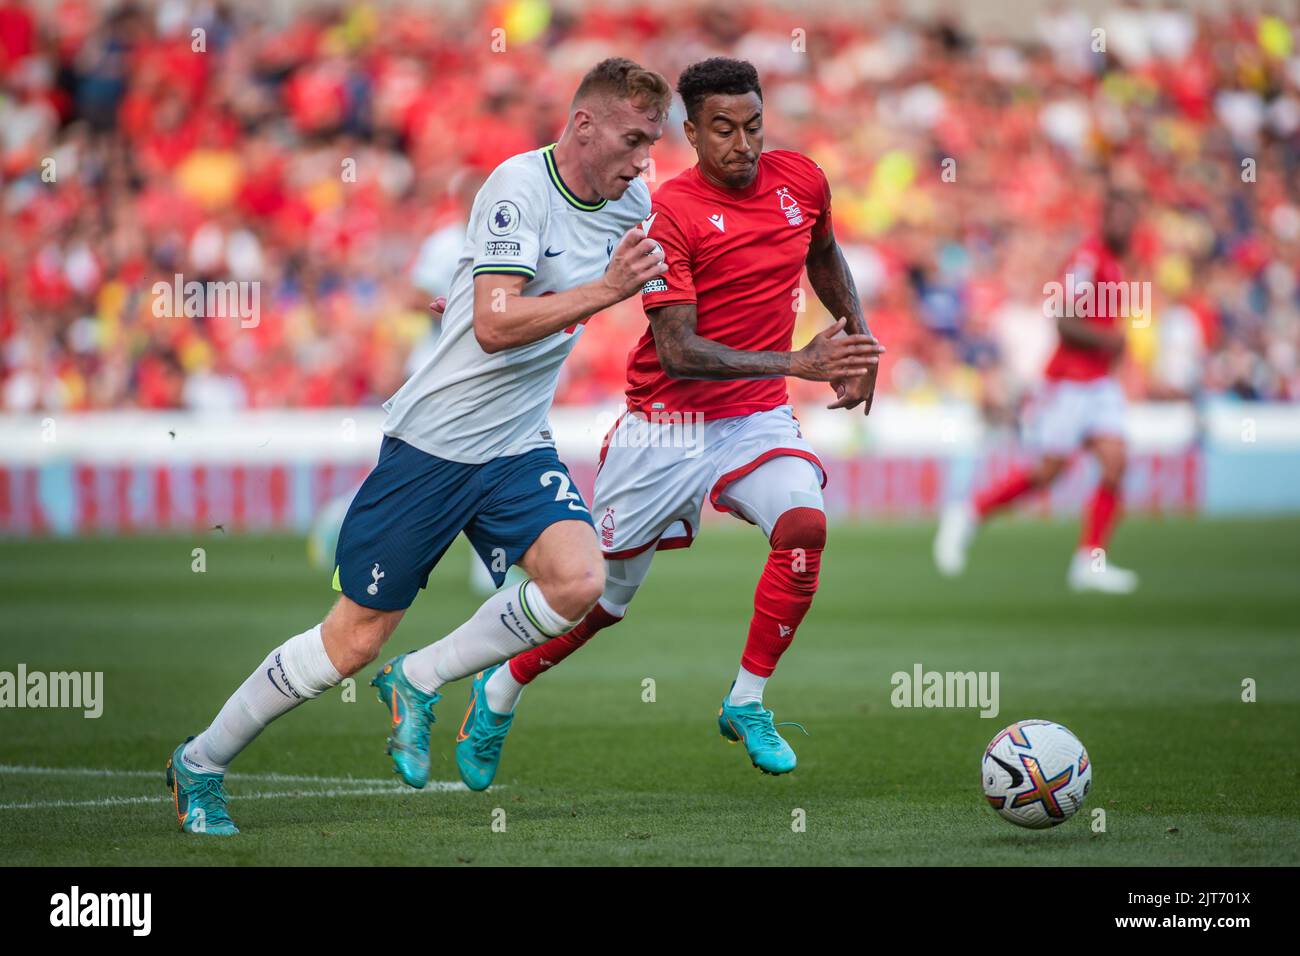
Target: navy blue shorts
<point x="412" y="505"/>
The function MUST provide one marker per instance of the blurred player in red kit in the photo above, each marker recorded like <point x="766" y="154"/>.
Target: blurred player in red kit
<point x="1080" y="405"/>
<point x="708" y="415"/>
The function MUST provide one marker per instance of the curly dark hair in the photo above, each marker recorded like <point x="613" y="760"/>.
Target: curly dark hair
<point x="718" y="74"/>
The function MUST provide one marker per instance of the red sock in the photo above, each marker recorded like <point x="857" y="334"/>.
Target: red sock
<point x="524" y="667"/>
<point x="1099" y="520"/>
<point x="1002" y="493"/>
<point x="785" y="588"/>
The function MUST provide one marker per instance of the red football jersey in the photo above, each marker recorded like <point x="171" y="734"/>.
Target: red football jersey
<point x="1092" y="263"/>
<point x="738" y="254"/>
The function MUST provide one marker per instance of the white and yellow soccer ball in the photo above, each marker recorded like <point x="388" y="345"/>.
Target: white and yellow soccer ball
<point x="1036" y="774"/>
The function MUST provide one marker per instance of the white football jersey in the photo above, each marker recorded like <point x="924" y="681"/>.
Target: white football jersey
<point x="464" y="404"/>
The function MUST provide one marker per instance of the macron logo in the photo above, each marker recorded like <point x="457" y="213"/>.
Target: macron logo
<point x="716" y="219"/>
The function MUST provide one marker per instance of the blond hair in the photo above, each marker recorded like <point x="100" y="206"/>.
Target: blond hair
<point x="620" y="78"/>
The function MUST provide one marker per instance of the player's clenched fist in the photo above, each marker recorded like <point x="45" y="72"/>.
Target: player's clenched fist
<point x="833" y="356"/>
<point x="636" y="260"/>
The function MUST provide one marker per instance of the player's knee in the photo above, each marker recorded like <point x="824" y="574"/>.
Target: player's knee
<point x="803" y="528"/>
<point x="584" y="590"/>
<point x="357" y="634"/>
<point x="1113" y="459"/>
<point x="367" y="641"/>
<point x="575" y="591"/>
<point x="1113" y="468"/>
<point x="356" y="649"/>
<point x="1046" y="471"/>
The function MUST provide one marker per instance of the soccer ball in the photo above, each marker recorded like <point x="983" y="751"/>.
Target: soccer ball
<point x="1036" y="774"/>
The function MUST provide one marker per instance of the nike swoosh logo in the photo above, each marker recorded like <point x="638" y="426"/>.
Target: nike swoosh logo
<point x="551" y="255"/>
<point x="270" y="675"/>
<point x="511" y="628"/>
<point x="461" y="734"/>
<point x="1017" y="778"/>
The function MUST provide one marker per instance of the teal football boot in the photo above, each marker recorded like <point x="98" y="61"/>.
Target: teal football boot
<point x="199" y="798"/>
<point x="481" y="734"/>
<point x="752" y="724"/>
<point x="412" y="711"/>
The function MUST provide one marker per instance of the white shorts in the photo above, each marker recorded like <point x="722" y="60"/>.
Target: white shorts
<point x="654" y="477"/>
<point x="1064" y="414"/>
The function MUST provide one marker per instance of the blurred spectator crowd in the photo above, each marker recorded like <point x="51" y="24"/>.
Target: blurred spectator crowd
<point x="329" y="152"/>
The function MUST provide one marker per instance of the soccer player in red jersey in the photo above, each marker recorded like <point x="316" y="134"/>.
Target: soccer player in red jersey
<point x="708" y="415"/>
<point x="1081" y="405"/>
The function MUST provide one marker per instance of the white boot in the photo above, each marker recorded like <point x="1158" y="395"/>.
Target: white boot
<point x="952" y="542"/>
<point x="1098" y="574"/>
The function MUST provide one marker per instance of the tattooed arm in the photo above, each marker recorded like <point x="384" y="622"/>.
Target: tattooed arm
<point x="831" y="279"/>
<point x="685" y="354"/>
<point x="829" y="275"/>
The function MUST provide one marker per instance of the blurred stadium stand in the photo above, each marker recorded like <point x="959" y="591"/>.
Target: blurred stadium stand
<point x="128" y="158"/>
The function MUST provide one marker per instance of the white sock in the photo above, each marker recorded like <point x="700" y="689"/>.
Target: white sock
<point x="508" y="623"/>
<point x="503" y="691"/>
<point x="297" y="670"/>
<point x="748" y="689"/>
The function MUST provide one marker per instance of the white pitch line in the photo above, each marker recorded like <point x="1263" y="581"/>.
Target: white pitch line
<point x="108" y="772"/>
<point x="433" y="786"/>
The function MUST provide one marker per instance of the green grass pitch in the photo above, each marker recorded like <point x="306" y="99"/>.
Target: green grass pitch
<point x="1186" y="772"/>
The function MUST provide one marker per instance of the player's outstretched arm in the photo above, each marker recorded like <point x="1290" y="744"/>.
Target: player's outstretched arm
<point x="831" y="280"/>
<point x="505" y="318"/>
<point x="685" y="354"/>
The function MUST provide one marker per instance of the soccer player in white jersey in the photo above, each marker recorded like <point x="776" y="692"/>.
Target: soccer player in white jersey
<point x="553" y="239"/>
